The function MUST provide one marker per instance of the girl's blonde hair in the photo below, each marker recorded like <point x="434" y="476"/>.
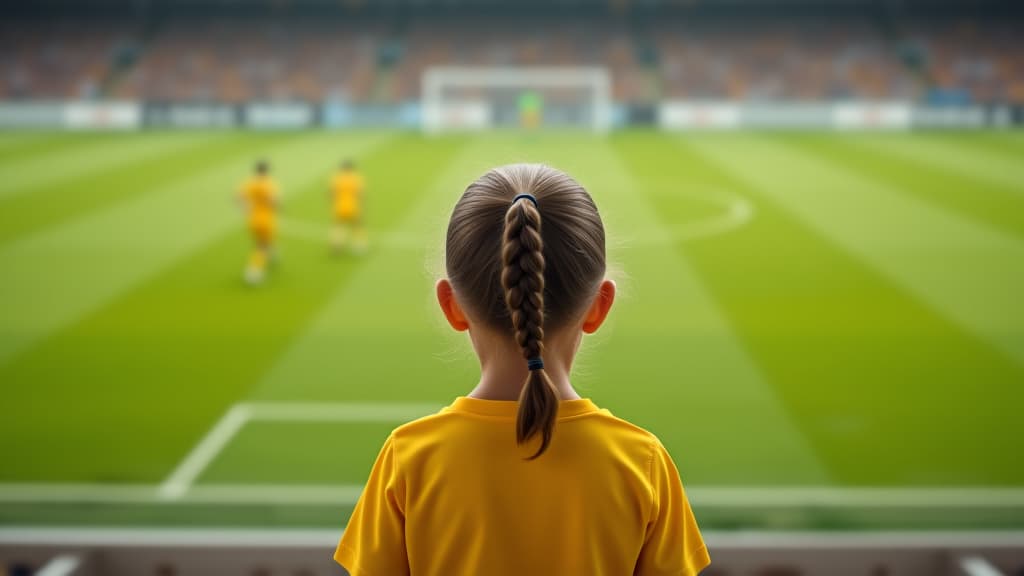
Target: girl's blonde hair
<point x="518" y="276"/>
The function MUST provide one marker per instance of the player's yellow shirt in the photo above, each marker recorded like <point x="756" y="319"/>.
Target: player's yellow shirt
<point x="347" y="187"/>
<point x="452" y="494"/>
<point x="260" y="193"/>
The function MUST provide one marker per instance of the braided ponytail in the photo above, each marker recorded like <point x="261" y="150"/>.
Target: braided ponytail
<point x="539" y="282"/>
<point x="522" y="277"/>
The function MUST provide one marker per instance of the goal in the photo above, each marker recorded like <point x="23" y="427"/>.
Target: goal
<point x="480" y="98"/>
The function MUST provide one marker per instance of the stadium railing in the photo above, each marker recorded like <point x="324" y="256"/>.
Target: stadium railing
<point x="173" y="552"/>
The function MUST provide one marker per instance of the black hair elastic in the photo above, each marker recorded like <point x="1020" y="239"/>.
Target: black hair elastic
<point x="529" y="197"/>
<point x="535" y="364"/>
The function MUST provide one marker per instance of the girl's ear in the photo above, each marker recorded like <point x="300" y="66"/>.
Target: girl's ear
<point x="450" y="307"/>
<point x="598" y="310"/>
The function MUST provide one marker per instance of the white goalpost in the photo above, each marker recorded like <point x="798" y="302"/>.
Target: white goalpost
<point x="457" y="98"/>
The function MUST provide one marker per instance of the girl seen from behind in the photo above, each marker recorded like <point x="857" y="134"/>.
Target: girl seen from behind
<point x="522" y="476"/>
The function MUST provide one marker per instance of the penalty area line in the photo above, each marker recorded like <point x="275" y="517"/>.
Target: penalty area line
<point x="183" y="477"/>
<point x="200" y="457"/>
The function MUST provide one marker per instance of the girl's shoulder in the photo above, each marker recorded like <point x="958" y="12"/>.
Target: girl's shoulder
<point x="629" y="430"/>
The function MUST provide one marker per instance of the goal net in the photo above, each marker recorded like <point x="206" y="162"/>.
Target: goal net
<point x="468" y="98"/>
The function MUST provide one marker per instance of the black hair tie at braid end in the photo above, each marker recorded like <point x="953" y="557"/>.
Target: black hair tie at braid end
<point x="529" y="197"/>
<point x="535" y="364"/>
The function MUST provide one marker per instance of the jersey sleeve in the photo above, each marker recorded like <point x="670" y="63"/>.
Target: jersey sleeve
<point x="374" y="541"/>
<point x="672" y="544"/>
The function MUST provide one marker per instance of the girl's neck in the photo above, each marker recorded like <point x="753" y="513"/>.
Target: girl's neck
<point x="503" y="374"/>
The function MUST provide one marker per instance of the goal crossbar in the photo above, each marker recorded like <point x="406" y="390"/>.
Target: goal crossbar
<point x="597" y="78"/>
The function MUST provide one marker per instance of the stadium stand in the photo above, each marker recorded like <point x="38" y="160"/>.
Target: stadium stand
<point x="237" y="62"/>
<point x="59" y="60"/>
<point x="781" y="62"/>
<point x="965" y="61"/>
<point x="302" y="60"/>
<point x="231" y="62"/>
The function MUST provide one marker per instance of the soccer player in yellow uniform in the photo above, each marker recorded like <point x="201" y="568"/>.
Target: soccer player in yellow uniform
<point x="258" y="196"/>
<point x="347" y="198"/>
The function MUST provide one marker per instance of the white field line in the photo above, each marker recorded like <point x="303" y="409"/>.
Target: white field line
<point x="291" y="494"/>
<point x="845" y="497"/>
<point x="179" y="483"/>
<point x="737" y="211"/>
<point x="979" y="498"/>
<point x="81" y="493"/>
<point x="285" y="538"/>
<point x="887" y="540"/>
<point x="200" y="457"/>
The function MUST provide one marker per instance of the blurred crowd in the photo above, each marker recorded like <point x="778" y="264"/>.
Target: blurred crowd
<point x="253" y="61"/>
<point x="784" y="61"/>
<point x="238" y="61"/>
<point x="56" y="60"/>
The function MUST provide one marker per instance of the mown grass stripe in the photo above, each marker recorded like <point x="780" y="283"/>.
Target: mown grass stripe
<point x="667" y="306"/>
<point x="1008" y="144"/>
<point x="957" y="155"/>
<point x="968" y="271"/>
<point x="16" y="146"/>
<point x="67" y="164"/>
<point x="67" y="271"/>
<point x="990" y="203"/>
<point x="828" y="287"/>
<point x="52" y="205"/>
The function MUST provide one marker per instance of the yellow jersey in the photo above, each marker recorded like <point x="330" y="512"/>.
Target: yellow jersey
<point x="453" y="494"/>
<point x="347" y="187"/>
<point x="260" y="193"/>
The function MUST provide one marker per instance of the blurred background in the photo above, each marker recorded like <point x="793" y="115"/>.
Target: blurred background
<point x="815" y="214"/>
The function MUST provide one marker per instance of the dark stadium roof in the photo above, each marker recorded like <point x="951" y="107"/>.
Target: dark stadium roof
<point x="526" y="8"/>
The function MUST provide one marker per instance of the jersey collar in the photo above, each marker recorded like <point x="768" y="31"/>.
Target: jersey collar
<point x="509" y="409"/>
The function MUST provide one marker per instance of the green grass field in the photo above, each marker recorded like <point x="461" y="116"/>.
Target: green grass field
<point x="826" y="331"/>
